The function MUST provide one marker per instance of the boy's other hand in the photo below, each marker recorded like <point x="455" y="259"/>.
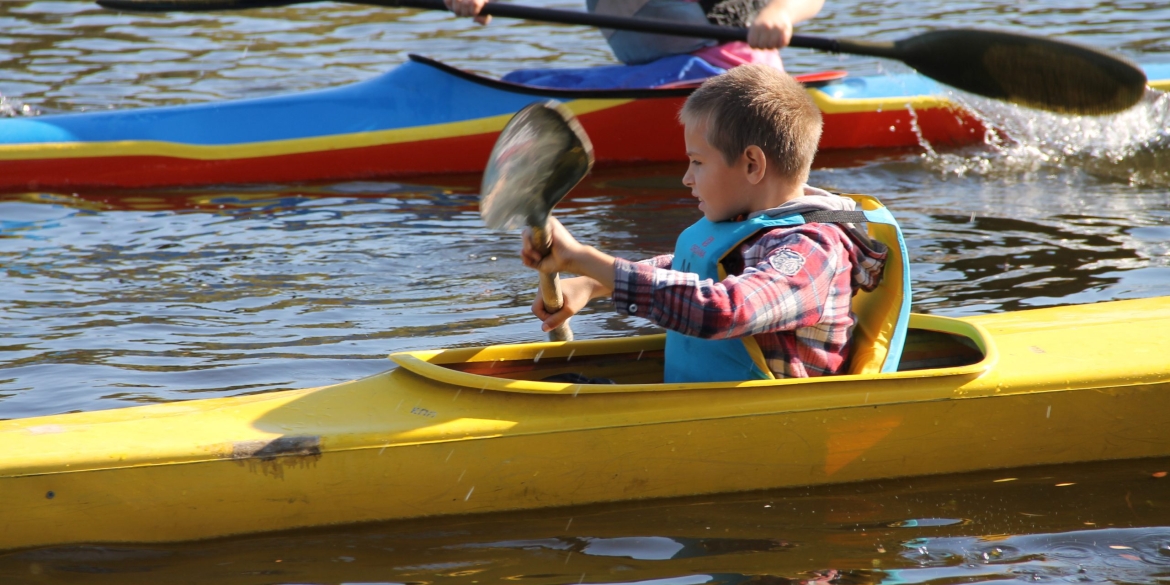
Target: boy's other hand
<point x="575" y="294"/>
<point x="469" y="8"/>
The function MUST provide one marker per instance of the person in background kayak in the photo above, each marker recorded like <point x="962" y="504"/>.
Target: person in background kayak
<point x="750" y="284"/>
<point x="770" y="24"/>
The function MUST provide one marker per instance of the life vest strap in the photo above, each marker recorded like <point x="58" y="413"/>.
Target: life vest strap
<point x="835" y="216"/>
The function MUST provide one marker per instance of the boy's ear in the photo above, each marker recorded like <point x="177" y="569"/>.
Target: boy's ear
<point x="756" y="164"/>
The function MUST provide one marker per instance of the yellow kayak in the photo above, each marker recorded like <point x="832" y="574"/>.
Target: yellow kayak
<point x="476" y="430"/>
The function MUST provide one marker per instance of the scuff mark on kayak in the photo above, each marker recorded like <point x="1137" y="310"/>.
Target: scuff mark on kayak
<point x="279" y="447"/>
<point x="272" y="457"/>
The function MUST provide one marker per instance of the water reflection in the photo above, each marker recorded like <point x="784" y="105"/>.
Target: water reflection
<point x="1104" y="522"/>
<point x="1130" y="555"/>
<point x="640" y="547"/>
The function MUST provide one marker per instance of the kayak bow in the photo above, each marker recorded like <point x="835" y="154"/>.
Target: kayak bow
<point x="476" y="430"/>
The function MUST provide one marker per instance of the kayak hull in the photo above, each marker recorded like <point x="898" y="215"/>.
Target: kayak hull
<point x="421" y="118"/>
<point x="436" y="437"/>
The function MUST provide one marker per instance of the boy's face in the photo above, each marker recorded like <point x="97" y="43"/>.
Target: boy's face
<point x="719" y="187"/>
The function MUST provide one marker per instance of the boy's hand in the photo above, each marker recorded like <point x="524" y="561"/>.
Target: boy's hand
<point x="566" y="254"/>
<point x="469" y="8"/>
<point x="575" y="294"/>
<point x="562" y="250"/>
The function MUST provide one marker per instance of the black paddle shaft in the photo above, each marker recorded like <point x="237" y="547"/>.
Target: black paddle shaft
<point x="502" y="9"/>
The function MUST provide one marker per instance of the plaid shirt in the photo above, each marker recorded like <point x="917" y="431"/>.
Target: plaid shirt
<point x="800" y="318"/>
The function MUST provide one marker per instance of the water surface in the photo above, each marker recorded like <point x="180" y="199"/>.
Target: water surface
<point x="111" y="299"/>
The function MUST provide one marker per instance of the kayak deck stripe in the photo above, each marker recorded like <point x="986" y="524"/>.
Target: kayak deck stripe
<point x="158" y="148"/>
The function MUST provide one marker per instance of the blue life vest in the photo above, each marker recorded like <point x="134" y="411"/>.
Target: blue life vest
<point x="700" y="250"/>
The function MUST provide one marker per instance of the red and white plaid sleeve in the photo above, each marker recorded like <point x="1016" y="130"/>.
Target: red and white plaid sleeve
<point x="795" y="279"/>
<point x="760" y="300"/>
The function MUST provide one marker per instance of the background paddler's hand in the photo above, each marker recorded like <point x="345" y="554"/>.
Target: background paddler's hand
<point x="770" y="30"/>
<point x="772" y="27"/>
<point x="469" y="8"/>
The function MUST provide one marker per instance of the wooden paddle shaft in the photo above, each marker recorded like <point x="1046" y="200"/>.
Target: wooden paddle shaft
<point x="550" y="286"/>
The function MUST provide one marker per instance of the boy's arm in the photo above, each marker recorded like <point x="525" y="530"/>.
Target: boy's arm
<point x="764" y="298"/>
<point x="662" y="261"/>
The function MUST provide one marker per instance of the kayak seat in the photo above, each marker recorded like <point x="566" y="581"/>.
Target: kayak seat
<point x="882" y="314"/>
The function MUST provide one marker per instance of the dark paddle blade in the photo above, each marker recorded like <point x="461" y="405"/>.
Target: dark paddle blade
<point x="1031" y="71"/>
<point x="1028" y="70"/>
<point x="539" y="156"/>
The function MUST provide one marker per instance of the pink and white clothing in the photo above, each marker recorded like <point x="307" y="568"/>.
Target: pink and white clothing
<point x="634" y="48"/>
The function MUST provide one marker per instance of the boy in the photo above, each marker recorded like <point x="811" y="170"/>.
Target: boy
<point x="749" y="292"/>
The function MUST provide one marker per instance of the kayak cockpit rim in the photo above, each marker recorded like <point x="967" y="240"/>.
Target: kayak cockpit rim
<point x="444" y="365"/>
<point x="818" y="79"/>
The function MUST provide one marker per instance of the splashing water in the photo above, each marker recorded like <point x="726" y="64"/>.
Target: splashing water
<point x="1132" y="146"/>
<point x="12" y="108"/>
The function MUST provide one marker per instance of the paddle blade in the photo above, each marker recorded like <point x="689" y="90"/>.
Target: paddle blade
<point x="1031" y="71"/>
<point x="540" y="155"/>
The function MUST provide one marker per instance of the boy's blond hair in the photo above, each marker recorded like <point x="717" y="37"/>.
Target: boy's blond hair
<point x="757" y="104"/>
